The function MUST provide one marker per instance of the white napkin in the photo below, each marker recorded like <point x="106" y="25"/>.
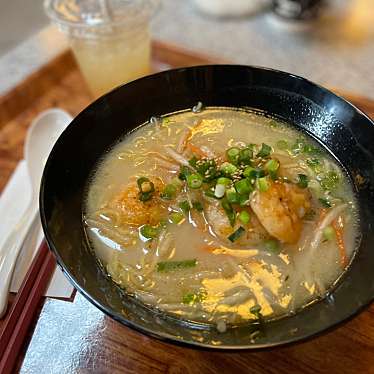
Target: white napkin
<point x="13" y="203"/>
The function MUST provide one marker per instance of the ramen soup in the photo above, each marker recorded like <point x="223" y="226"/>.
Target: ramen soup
<point x="221" y="216"/>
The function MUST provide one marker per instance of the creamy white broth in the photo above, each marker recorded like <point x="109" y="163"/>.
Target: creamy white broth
<point x="225" y="279"/>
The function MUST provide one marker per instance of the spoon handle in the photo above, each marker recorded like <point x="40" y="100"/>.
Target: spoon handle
<point x="10" y="250"/>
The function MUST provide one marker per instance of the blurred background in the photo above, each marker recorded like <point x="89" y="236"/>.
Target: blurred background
<point x="331" y="43"/>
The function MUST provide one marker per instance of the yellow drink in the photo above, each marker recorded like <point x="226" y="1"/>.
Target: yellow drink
<point x="110" y="38"/>
<point x="109" y="62"/>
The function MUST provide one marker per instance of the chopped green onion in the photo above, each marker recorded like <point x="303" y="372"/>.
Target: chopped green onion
<point x="272" y="165"/>
<point x="232" y="155"/>
<point x="176" y="217"/>
<point x="303" y="181"/>
<point x="224" y="181"/>
<point x="146" y="188"/>
<point x="263" y="184"/>
<point x="166" y="266"/>
<point x="210" y="193"/>
<point x="231" y="215"/>
<point x="260" y="173"/>
<point x="326" y="203"/>
<point x="272" y="245"/>
<point x="328" y="233"/>
<point x="273" y="175"/>
<point x="298" y="146"/>
<point x="177" y="182"/>
<point x="185" y="206"/>
<point x="219" y="191"/>
<point x="311" y="150"/>
<point x="169" y="192"/>
<point x="282" y="144"/>
<point x="226" y="205"/>
<point x="232" y="196"/>
<point x="145" y="196"/>
<point x="244" y="217"/>
<point x="192" y="298"/>
<point x="193" y="161"/>
<point x="244" y="200"/>
<point x="140" y="181"/>
<point x="228" y="169"/>
<point x="249" y="172"/>
<point x="198" y="206"/>
<point x="243" y="186"/>
<point x="145" y="185"/>
<point x="301" y="146"/>
<point x="189" y="298"/>
<point x="184" y="172"/>
<point x="149" y="232"/>
<point x="264" y="151"/>
<point x="314" y="164"/>
<point x="207" y="169"/>
<point x="273" y="124"/>
<point x="251" y="146"/>
<point x="236" y="234"/>
<point x="194" y="181"/>
<point x="245" y="156"/>
<point x="255" y="309"/>
<point x="252" y="173"/>
<point x="329" y="181"/>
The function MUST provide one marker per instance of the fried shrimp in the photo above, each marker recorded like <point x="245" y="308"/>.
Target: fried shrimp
<point x="280" y="210"/>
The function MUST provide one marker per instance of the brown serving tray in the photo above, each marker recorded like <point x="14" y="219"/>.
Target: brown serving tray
<point x="75" y="337"/>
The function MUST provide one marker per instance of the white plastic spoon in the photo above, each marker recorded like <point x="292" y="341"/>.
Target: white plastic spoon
<point x="40" y="138"/>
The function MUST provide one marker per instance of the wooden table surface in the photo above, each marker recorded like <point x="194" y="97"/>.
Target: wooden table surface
<point x="75" y="337"/>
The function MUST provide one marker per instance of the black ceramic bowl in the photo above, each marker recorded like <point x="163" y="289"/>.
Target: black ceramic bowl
<point x="339" y="126"/>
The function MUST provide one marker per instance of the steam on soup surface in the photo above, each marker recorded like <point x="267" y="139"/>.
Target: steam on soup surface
<point x="221" y="215"/>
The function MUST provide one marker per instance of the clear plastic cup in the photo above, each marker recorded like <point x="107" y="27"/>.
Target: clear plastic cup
<point x="109" y="38"/>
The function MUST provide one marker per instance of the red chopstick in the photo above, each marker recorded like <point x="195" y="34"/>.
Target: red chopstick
<point x="25" y="304"/>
